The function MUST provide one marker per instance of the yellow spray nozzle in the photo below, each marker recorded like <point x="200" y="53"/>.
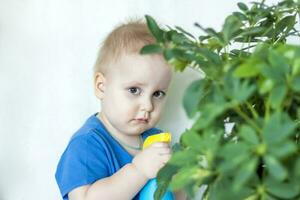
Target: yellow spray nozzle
<point x="160" y="137"/>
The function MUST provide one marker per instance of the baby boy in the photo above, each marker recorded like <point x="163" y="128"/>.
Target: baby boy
<point x="104" y="158"/>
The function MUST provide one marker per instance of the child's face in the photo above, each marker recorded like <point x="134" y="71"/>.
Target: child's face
<point x="134" y="88"/>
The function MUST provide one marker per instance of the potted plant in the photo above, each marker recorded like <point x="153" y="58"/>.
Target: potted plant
<point x="252" y="80"/>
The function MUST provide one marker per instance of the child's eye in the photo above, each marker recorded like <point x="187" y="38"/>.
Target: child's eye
<point x="134" y="90"/>
<point x="159" y="94"/>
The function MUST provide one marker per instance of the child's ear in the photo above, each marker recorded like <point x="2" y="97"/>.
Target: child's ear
<point x="99" y="85"/>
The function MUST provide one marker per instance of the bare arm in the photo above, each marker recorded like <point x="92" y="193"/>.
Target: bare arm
<point x="124" y="184"/>
<point x="130" y="179"/>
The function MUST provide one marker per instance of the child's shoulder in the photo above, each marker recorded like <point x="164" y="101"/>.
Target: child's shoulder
<point x="90" y="129"/>
<point x="89" y="134"/>
<point x="86" y="140"/>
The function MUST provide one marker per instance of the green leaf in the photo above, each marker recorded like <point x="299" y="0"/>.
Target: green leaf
<point x="273" y="74"/>
<point x="179" y="65"/>
<point x="265" y="85"/>
<point x="164" y="177"/>
<point x="247" y="39"/>
<point x="297" y="167"/>
<point x="296" y="84"/>
<point x="176" y="58"/>
<point x="278" y="128"/>
<point x="209" y="70"/>
<point x="268" y="197"/>
<point x="232" y="150"/>
<point x="284" y="190"/>
<point x="179" y="38"/>
<point x="244" y="173"/>
<point x="186" y="176"/>
<point x="233" y="155"/>
<point x="296" y="65"/>
<point x="243" y="6"/>
<point x="249" y="135"/>
<point x="151" y="48"/>
<point x="193" y="140"/>
<point x="213" y="44"/>
<point x="240" y="15"/>
<point x="277" y="95"/>
<point x="275" y="168"/>
<point x="167" y="35"/>
<point x="239" y="53"/>
<point x="248" y="69"/>
<point x="211" y="32"/>
<point x="211" y="56"/>
<point x="185" y="157"/>
<point x="209" y="112"/>
<point x="222" y="189"/>
<point x="238" y="90"/>
<point x="154" y="28"/>
<point x="204" y="37"/>
<point x="231" y="27"/>
<point x="192" y="96"/>
<point x="279" y="63"/>
<point x="285" y="24"/>
<point x="277" y="68"/>
<point x="176" y="147"/>
<point x="174" y="53"/>
<point x="207" y="146"/>
<point x="283" y="150"/>
<point x="253" y="31"/>
<point x="185" y="32"/>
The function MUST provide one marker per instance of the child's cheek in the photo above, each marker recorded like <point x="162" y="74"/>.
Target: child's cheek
<point x="128" y="107"/>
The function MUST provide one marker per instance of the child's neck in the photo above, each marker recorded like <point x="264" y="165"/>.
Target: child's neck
<point x="132" y="140"/>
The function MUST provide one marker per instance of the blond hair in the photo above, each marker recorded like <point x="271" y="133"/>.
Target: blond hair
<point x="126" y="38"/>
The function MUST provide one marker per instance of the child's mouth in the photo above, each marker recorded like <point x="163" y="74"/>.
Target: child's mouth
<point x="145" y="121"/>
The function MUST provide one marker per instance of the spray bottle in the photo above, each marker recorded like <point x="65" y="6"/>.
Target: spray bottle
<point x="147" y="192"/>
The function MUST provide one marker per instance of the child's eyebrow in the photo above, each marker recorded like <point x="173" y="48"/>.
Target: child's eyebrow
<point x="136" y="83"/>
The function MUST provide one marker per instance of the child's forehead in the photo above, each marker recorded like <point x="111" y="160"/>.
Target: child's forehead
<point x="134" y="63"/>
<point x="141" y="70"/>
<point x="138" y="58"/>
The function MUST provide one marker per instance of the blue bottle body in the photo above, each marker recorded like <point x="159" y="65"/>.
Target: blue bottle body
<point x="147" y="192"/>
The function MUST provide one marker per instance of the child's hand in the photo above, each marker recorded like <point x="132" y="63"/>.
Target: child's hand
<point x="152" y="159"/>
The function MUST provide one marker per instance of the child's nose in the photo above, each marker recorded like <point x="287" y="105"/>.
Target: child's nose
<point x="146" y="105"/>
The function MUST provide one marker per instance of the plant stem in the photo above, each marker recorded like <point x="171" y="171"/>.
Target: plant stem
<point x="267" y="109"/>
<point x="248" y="47"/>
<point x="253" y="111"/>
<point x="248" y="119"/>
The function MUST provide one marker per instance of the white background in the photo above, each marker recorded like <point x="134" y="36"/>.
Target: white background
<point x="47" y="51"/>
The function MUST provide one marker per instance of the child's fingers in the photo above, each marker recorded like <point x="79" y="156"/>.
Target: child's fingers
<point x="164" y="151"/>
<point x="165" y="158"/>
<point x="160" y="144"/>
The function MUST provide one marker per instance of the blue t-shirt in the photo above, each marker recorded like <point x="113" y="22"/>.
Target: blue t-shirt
<point x="92" y="154"/>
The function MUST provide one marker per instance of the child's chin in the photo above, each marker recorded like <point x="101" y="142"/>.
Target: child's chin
<point x="136" y="130"/>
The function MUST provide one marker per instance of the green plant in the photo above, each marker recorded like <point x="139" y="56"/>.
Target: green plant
<point x="252" y="79"/>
